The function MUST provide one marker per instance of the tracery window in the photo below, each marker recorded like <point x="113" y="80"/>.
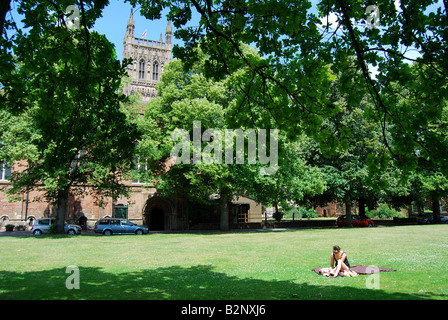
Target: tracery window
<point x="141" y="69"/>
<point x="155" y="71"/>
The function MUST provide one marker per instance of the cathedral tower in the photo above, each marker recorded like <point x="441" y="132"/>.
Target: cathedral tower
<point x="149" y="57"/>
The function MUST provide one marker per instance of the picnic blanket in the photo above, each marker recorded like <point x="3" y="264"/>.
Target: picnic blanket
<point x="361" y="269"/>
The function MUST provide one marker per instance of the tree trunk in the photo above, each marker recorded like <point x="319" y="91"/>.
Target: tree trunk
<point x="62" y="209"/>
<point x="362" y="207"/>
<point x="224" y="207"/>
<point x="276" y="214"/>
<point x="348" y="213"/>
<point x="435" y="199"/>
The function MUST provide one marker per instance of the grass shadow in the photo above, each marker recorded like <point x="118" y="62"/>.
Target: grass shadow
<point x="198" y="282"/>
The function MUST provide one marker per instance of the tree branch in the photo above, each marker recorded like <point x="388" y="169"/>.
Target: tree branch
<point x="370" y="84"/>
<point x="5" y="6"/>
<point x="258" y="69"/>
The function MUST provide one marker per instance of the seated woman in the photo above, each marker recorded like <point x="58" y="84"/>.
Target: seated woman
<point x="340" y="258"/>
<point x="339" y="262"/>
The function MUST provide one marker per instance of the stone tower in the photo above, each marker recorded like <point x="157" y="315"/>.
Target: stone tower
<point x="149" y="58"/>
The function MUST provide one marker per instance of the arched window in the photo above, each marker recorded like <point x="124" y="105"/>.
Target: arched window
<point x="155" y="71"/>
<point x="141" y="69"/>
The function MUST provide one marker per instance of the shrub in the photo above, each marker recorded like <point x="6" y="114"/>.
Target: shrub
<point x="52" y="228"/>
<point x="307" y="212"/>
<point x="383" y="212"/>
<point x="278" y="215"/>
<point x="292" y="212"/>
<point x="9" y="227"/>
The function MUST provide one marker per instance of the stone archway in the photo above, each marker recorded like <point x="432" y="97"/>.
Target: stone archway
<point x="157" y="213"/>
<point x="157" y="219"/>
<point x="82" y="221"/>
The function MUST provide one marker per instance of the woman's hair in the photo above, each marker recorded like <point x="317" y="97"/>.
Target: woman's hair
<point x="338" y="248"/>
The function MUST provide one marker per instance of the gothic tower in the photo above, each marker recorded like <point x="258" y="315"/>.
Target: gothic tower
<point x="149" y="57"/>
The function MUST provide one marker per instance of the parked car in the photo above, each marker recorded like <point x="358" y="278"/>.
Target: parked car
<point x="43" y="226"/>
<point x="357" y="221"/>
<point x="110" y="226"/>
<point x="429" y="220"/>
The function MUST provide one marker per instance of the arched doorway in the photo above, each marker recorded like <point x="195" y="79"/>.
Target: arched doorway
<point x="157" y="213"/>
<point x="82" y="221"/>
<point x="156" y="219"/>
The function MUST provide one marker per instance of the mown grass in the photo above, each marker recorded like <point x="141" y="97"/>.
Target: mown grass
<point x="220" y="266"/>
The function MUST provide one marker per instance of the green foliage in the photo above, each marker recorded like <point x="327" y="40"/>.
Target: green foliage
<point x="429" y="180"/>
<point x="300" y="213"/>
<point x="295" y="180"/>
<point x="308" y="213"/>
<point x="302" y="53"/>
<point x="383" y="212"/>
<point x="186" y="98"/>
<point x="359" y="136"/>
<point x="61" y="111"/>
<point x="53" y="229"/>
<point x="291" y="212"/>
<point x="375" y="129"/>
<point x="345" y="166"/>
<point x="278" y="215"/>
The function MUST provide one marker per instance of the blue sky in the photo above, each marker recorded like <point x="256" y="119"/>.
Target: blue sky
<point x="114" y="21"/>
<point x="116" y="14"/>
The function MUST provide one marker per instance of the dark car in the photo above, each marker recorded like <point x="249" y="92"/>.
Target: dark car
<point x="357" y="221"/>
<point x="430" y="220"/>
<point x="110" y="226"/>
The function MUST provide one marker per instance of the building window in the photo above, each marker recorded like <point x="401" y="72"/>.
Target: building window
<point x="121" y="211"/>
<point x="240" y="213"/>
<point x="141" y="69"/>
<point x="155" y="71"/>
<point x="141" y="167"/>
<point x="5" y="172"/>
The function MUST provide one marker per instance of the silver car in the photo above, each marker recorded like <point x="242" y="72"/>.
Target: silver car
<point x="110" y="226"/>
<point x="43" y="226"/>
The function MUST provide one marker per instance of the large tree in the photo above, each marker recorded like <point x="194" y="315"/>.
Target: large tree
<point x="429" y="183"/>
<point x="345" y="164"/>
<point x="294" y="182"/>
<point x="175" y="125"/>
<point x="191" y="116"/>
<point x="64" y="80"/>
<point x="288" y="82"/>
<point x="298" y="42"/>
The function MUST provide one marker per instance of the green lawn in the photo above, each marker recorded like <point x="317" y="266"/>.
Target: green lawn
<point x="235" y="265"/>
